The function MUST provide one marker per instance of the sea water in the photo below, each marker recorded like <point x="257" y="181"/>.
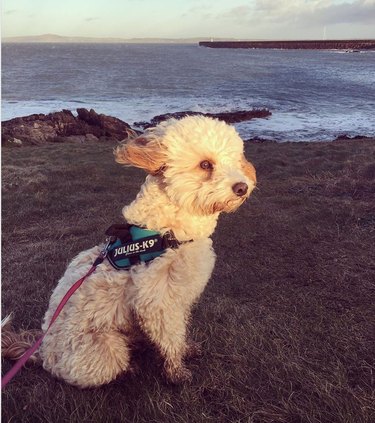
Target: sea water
<point x="312" y="94"/>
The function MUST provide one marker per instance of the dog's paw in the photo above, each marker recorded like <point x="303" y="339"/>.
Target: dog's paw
<point x="193" y="350"/>
<point x="178" y="375"/>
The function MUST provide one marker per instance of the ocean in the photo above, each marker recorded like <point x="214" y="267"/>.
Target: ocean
<point x="312" y="94"/>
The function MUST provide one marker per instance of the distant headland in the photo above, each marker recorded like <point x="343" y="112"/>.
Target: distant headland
<point x="303" y="44"/>
<point x="56" y="39"/>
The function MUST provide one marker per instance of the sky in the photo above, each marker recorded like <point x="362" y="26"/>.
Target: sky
<point x="240" y="19"/>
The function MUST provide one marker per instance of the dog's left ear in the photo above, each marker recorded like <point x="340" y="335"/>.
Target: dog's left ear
<point x="248" y="169"/>
<point x="144" y="152"/>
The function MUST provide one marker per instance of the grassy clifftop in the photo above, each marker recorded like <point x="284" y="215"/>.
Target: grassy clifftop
<point x="286" y="320"/>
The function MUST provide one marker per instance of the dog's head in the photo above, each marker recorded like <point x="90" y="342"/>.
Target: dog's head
<point x="199" y="161"/>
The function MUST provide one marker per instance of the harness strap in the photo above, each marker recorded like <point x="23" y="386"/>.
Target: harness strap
<point x="20" y="363"/>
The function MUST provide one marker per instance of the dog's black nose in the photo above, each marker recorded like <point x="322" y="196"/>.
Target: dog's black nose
<point x="240" y="188"/>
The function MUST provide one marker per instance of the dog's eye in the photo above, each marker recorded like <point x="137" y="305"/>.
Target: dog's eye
<point x="206" y="165"/>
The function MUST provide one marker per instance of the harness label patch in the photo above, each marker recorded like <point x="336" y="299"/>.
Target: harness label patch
<point x="137" y="247"/>
<point x="134" y="249"/>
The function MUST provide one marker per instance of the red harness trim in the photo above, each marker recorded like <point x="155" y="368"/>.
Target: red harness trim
<point x="19" y="364"/>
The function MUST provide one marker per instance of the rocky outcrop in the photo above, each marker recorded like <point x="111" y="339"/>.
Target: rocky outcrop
<point x="64" y="126"/>
<point x="228" y="117"/>
<point x="346" y="137"/>
<point x="89" y="126"/>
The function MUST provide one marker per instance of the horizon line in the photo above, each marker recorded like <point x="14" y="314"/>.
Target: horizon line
<point x="49" y="37"/>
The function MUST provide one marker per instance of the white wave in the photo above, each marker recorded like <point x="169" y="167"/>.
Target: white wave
<point x="283" y="126"/>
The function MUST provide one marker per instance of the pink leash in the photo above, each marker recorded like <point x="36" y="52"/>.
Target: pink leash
<point x="19" y="364"/>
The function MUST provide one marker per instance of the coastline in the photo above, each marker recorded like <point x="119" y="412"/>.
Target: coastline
<point x="312" y="95"/>
<point x="86" y="125"/>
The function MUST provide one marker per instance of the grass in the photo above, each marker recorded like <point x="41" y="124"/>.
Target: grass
<point x="286" y="321"/>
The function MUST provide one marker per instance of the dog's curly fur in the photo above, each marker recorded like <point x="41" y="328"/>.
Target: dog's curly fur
<point x="90" y="343"/>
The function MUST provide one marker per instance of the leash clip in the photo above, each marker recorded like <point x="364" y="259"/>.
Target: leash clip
<point x="109" y="240"/>
<point x="103" y="253"/>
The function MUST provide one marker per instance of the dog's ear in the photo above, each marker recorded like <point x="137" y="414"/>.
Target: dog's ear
<point x="145" y="152"/>
<point x="248" y="169"/>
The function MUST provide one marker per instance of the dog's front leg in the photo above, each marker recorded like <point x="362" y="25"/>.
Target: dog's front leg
<point x="167" y="330"/>
<point x="174" y="350"/>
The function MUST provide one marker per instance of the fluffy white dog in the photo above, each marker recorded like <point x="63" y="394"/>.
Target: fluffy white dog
<point x="196" y="169"/>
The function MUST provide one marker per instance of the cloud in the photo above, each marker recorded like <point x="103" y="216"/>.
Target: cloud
<point x="355" y="12"/>
<point x="304" y="12"/>
<point x="11" y="12"/>
<point x="201" y="11"/>
<point x="91" y="19"/>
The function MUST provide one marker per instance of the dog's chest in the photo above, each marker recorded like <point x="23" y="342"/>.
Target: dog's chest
<point x="176" y="278"/>
<point x="198" y="260"/>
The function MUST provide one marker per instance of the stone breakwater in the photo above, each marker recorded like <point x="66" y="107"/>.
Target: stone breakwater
<point x="297" y="45"/>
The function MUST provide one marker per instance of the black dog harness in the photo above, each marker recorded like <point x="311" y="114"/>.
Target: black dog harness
<point x="129" y="245"/>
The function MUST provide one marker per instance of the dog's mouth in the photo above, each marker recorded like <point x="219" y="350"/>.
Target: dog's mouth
<point x="228" y="206"/>
<point x="233" y="204"/>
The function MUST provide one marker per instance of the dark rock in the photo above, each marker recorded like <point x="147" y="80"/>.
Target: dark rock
<point x="346" y="137"/>
<point x="62" y="126"/>
<point x="228" y="117"/>
<point x="258" y="140"/>
<point x="107" y="126"/>
<point x="90" y="126"/>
